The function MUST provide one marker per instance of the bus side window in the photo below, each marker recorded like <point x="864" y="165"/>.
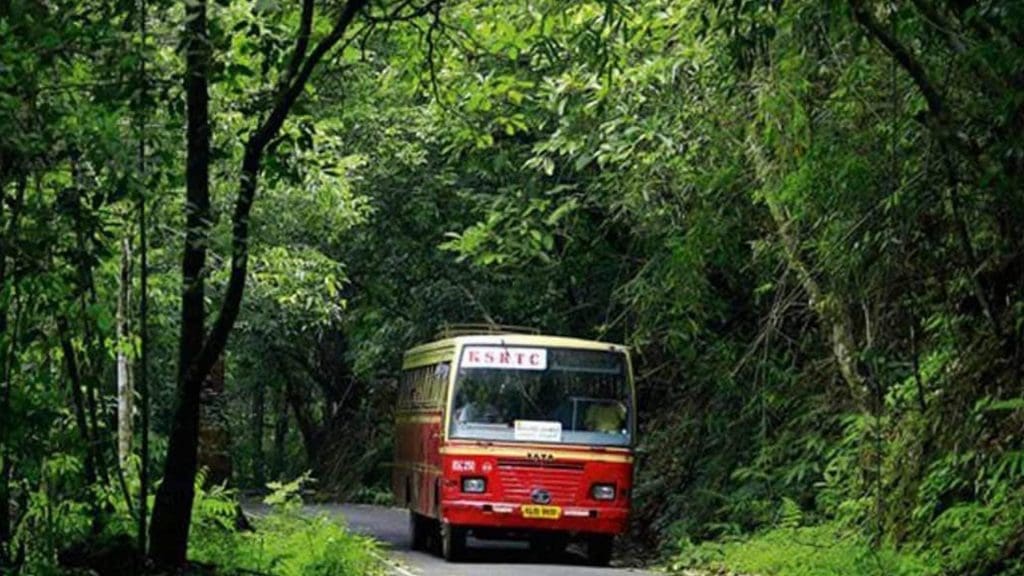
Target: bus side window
<point x="414" y="384"/>
<point x="421" y="382"/>
<point x="405" y="390"/>
<point x="428" y="386"/>
<point x="441" y="373"/>
<point x="424" y="386"/>
<point x="410" y="387"/>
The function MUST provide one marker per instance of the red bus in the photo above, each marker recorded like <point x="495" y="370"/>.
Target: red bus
<point x="515" y="436"/>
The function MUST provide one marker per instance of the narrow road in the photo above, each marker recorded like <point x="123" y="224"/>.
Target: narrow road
<point x="390" y="525"/>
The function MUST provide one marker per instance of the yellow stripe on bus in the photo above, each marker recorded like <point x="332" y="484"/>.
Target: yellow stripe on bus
<point x="526" y="452"/>
<point x="417" y="419"/>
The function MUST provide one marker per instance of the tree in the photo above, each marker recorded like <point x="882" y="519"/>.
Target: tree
<point x="199" y="350"/>
<point x="803" y="218"/>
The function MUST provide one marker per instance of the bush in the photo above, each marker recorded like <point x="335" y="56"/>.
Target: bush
<point x="284" y="543"/>
<point x="816" y="551"/>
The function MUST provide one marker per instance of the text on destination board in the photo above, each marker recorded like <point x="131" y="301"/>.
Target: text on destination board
<point x="504" y="357"/>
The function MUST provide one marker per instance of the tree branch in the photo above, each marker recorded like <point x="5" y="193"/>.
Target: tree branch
<point x="301" y="42"/>
<point x="906" y="60"/>
<point x="945" y="28"/>
<point x="251" y="164"/>
<point x="941" y="121"/>
<point x="286" y="100"/>
<point x="396" y="15"/>
<point x="431" y="49"/>
<point x="309" y="428"/>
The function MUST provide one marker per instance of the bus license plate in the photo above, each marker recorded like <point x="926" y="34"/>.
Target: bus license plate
<point x="543" y="512"/>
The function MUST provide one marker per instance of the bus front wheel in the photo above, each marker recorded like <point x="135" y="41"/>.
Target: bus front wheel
<point x="453" y="542"/>
<point x="419" y="532"/>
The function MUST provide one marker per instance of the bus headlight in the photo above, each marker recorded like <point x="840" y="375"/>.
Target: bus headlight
<point x="474" y="485"/>
<point x="602" y="491"/>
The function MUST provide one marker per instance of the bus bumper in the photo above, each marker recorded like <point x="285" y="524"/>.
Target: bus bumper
<point x="508" y="516"/>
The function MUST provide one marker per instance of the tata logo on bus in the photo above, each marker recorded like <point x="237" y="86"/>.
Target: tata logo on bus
<point x="507" y="358"/>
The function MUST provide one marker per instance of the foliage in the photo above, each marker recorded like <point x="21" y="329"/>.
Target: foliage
<point x="817" y="551"/>
<point x="802" y="216"/>
<point x="284" y="542"/>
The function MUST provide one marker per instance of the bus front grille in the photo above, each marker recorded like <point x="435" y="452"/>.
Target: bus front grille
<point x="513" y="463"/>
<point x="519" y="478"/>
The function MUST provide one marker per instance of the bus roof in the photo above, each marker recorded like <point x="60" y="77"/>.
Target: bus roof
<point x="515" y="340"/>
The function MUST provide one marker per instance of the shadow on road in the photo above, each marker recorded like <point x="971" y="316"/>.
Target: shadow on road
<point x="516" y="552"/>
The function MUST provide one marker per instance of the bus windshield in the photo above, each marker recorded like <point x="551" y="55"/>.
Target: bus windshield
<point x="545" y="395"/>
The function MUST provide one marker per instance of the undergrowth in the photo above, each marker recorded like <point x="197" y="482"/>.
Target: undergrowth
<point x="283" y="543"/>
<point x="822" y="550"/>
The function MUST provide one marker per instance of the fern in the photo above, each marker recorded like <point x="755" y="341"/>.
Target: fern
<point x="287" y="496"/>
<point x="790" y="514"/>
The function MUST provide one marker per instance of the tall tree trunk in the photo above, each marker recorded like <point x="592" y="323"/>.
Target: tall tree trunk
<point x="5" y="493"/>
<point x="125" y="390"/>
<point x="8" y="338"/>
<point x="198" y="352"/>
<point x="88" y="366"/>
<point x="5" y="392"/>
<point x="79" y="402"/>
<point x="143" y="543"/>
<point x="214" y="440"/>
<point x="833" y="315"/>
<point x="259" y="400"/>
<point x="141" y="540"/>
<point x="830" y="310"/>
<point x="309" y="429"/>
<point x="168" y="532"/>
<point x="280" y="434"/>
<point x="5" y="455"/>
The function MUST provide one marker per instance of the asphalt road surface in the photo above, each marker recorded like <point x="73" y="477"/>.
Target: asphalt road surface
<point x="490" y="558"/>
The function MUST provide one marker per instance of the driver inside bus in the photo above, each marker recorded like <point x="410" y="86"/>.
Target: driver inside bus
<point x="476" y="411"/>
<point x="608" y="417"/>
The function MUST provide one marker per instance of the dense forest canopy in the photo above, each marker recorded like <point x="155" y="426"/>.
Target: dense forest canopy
<point x="221" y="223"/>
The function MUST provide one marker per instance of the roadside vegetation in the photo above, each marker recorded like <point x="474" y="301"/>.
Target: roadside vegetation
<point x="820" y="550"/>
<point x="221" y="223"/>
<point x="283" y="541"/>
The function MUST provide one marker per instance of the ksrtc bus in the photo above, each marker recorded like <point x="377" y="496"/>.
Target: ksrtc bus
<point x="515" y="436"/>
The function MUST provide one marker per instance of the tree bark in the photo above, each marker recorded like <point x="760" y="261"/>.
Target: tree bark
<point x="5" y="392"/>
<point x="832" y="313"/>
<point x="308" y="427"/>
<point x="280" y="435"/>
<point x="252" y="159"/>
<point x="125" y="390"/>
<point x="259" y="400"/>
<point x="88" y="366"/>
<point x="214" y="437"/>
<point x="198" y="352"/>
<point x="8" y="341"/>
<point x="79" y="402"/>
<point x="143" y="543"/>
<point x="140" y="536"/>
<point x="906" y="60"/>
<point x="963" y="235"/>
<point x="168" y="531"/>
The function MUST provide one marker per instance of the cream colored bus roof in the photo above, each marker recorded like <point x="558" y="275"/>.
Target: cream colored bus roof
<point x="515" y="340"/>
